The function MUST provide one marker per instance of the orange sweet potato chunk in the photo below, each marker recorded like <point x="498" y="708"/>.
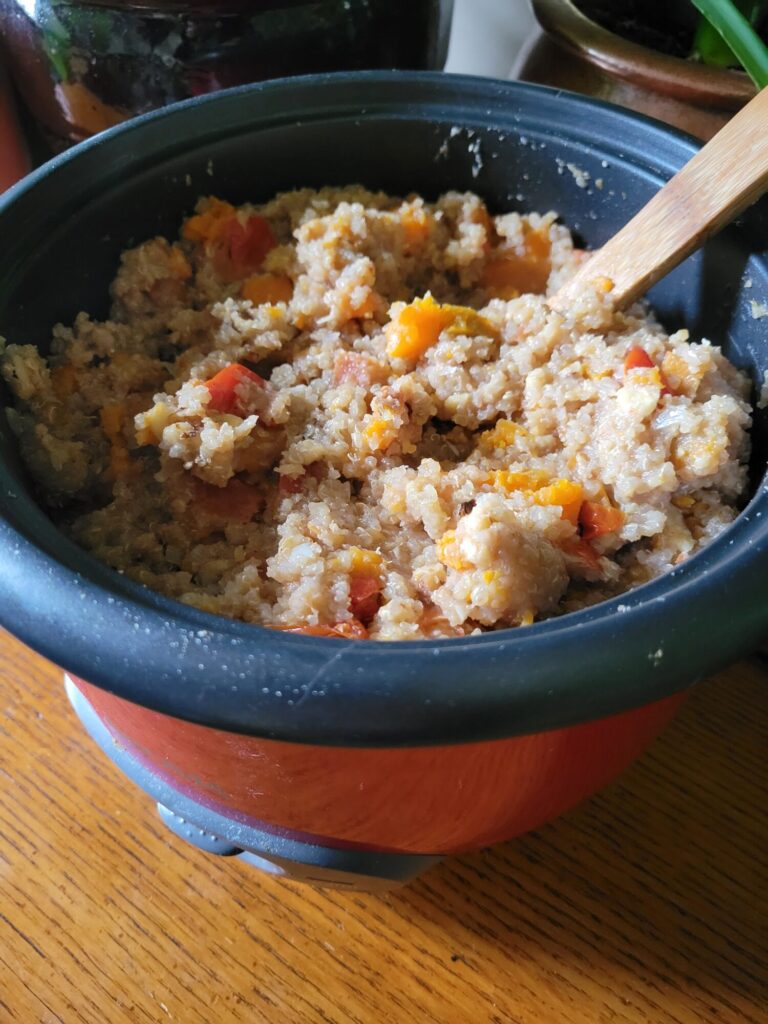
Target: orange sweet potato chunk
<point x="267" y="288"/>
<point x="511" y="273"/>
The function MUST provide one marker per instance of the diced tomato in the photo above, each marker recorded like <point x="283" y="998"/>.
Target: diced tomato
<point x="223" y="388"/>
<point x="239" y="249"/>
<point x="295" y="484"/>
<point x="290" y="484"/>
<point x="236" y="502"/>
<point x="350" y="630"/>
<point x="637" y="357"/>
<point x="585" y="553"/>
<point x="364" y="597"/>
<point x="596" y="520"/>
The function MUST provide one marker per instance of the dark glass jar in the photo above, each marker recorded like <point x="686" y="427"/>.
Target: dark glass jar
<point x="84" y="66"/>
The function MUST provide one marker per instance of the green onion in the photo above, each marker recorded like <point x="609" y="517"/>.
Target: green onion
<point x="738" y="34"/>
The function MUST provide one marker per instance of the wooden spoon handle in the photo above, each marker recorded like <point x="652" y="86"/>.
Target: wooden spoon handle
<point x="721" y="180"/>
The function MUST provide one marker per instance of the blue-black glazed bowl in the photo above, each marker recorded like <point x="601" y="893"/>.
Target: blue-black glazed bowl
<point x="63" y="229"/>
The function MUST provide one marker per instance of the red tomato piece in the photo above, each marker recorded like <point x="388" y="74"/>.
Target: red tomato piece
<point x="637" y="357"/>
<point x="236" y="502"/>
<point x="585" y="553"/>
<point x="239" y="249"/>
<point x="364" y="597"/>
<point x="295" y="484"/>
<point x="223" y="388"/>
<point x="290" y="484"/>
<point x="596" y="520"/>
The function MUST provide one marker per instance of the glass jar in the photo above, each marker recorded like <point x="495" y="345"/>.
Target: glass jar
<point x="81" y="67"/>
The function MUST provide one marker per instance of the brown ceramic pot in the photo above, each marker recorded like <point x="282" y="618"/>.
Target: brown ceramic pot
<point x="576" y="53"/>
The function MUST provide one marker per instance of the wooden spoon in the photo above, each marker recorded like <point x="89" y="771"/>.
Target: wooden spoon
<point x="723" y="179"/>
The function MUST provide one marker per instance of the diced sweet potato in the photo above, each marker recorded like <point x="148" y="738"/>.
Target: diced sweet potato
<point x="364" y="561"/>
<point x="267" y="288"/>
<point x="449" y="554"/>
<point x="678" y="377"/>
<point x="201" y="226"/>
<point x="416" y="225"/>
<point x="565" y="493"/>
<point x="511" y="272"/>
<point x="501" y="435"/>
<point x="112" y="418"/>
<point x="417" y="327"/>
<point x="179" y="264"/>
<point x="521" y="480"/>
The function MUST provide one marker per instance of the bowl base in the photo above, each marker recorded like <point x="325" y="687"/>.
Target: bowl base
<point x="217" y="834"/>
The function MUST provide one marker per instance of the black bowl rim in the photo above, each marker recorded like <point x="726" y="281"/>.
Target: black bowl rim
<point x="247" y="679"/>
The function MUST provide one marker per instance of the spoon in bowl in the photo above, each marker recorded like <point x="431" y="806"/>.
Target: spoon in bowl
<point x="725" y="177"/>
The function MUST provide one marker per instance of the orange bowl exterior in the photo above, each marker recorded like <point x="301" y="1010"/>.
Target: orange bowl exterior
<point x="427" y="800"/>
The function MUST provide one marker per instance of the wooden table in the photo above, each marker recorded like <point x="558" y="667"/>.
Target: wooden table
<point x="649" y="903"/>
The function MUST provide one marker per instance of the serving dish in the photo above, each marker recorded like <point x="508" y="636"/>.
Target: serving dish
<point x="359" y="763"/>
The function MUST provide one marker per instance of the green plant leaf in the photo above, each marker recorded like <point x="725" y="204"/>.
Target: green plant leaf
<point x="710" y="47"/>
<point x="739" y="36"/>
<point x="56" y="42"/>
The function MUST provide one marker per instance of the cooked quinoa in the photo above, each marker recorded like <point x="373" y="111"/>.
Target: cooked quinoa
<point x="350" y="414"/>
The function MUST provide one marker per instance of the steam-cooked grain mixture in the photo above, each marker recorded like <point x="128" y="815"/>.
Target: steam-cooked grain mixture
<point x="349" y="414"/>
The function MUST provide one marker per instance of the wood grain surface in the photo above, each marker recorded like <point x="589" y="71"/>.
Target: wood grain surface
<point x="647" y="904"/>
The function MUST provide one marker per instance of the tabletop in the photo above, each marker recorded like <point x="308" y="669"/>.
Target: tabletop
<point x="649" y="903"/>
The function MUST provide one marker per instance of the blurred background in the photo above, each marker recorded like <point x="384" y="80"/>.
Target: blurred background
<point x="487" y="36"/>
<point x="81" y="66"/>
